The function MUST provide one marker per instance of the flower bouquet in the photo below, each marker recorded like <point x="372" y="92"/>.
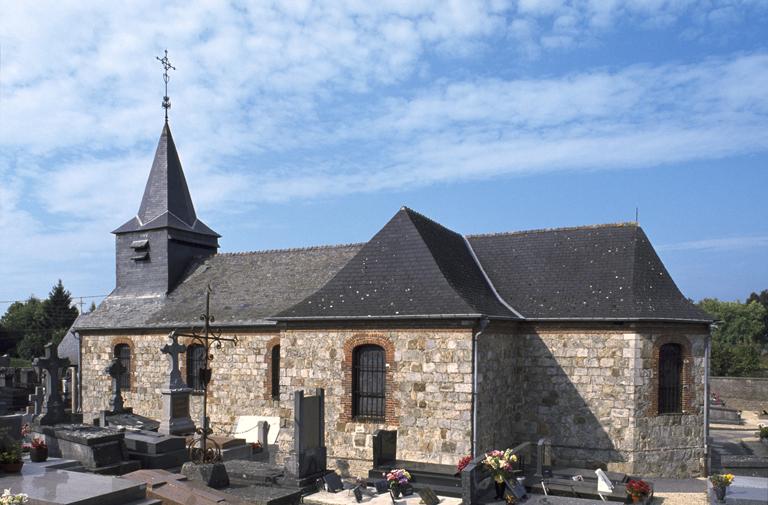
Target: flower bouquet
<point x="463" y="462"/>
<point x="8" y="498"/>
<point x="499" y="463"/>
<point x="638" y="489"/>
<point x="38" y="450"/>
<point x="720" y="481"/>
<point x="397" y="480"/>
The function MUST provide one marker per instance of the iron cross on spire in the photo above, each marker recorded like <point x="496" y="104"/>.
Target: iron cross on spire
<point x="166" y="66"/>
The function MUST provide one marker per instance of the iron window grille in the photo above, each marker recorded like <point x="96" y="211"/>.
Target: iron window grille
<point x="670" y="379"/>
<point x="123" y="353"/>
<point x="276" y="372"/>
<point x="195" y="362"/>
<point x="369" y="372"/>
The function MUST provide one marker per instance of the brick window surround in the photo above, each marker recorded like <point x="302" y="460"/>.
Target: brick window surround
<point x="271" y="343"/>
<point x="132" y="372"/>
<point x="390" y="417"/>
<point x="686" y="381"/>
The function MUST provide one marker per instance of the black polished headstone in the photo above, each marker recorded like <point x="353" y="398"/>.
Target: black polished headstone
<point x="384" y="448"/>
<point x="333" y="483"/>
<point x="381" y="485"/>
<point x="358" y="494"/>
<point x="10" y="431"/>
<point x="428" y="496"/>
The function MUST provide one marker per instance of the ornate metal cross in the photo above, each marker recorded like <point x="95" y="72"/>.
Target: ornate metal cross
<point x="173" y="350"/>
<point x="199" y="449"/>
<point x="115" y="369"/>
<point x="166" y="66"/>
<point x="52" y="364"/>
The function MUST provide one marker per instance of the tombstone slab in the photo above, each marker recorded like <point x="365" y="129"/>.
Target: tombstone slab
<point x="155" y="450"/>
<point x="99" y="450"/>
<point x="53" y="410"/>
<point x="211" y="474"/>
<point x="10" y="430"/>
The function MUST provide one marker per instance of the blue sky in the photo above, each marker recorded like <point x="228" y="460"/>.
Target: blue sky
<point x="304" y="123"/>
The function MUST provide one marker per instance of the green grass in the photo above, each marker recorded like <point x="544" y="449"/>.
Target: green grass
<point x="20" y="363"/>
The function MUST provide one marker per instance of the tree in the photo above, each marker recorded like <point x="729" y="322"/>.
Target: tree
<point x="762" y="299"/>
<point x="737" y="338"/>
<point x="59" y="312"/>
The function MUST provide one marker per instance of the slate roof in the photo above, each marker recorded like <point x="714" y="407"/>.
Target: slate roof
<point x="411" y="267"/>
<point x="247" y="289"/>
<point x="597" y="272"/>
<point x="166" y="201"/>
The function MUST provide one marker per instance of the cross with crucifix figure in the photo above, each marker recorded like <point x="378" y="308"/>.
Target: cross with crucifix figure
<point x="53" y="409"/>
<point x="173" y="350"/>
<point x="115" y="369"/>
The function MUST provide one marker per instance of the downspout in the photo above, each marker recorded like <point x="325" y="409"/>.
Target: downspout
<point x="707" y="355"/>
<point x="481" y="328"/>
<point x="79" y="391"/>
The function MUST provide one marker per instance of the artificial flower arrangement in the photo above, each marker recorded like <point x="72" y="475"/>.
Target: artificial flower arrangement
<point x="499" y="463"/>
<point x="38" y="443"/>
<point x="762" y="431"/>
<point x="721" y="479"/>
<point x="638" y="488"/>
<point x="397" y="478"/>
<point x="463" y="462"/>
<point x="8" y="498"/>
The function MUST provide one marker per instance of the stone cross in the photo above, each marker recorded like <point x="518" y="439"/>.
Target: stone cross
<point x="53" y="410"/>
<point x="36" y="400"/>
<point x="115" y="369"/>
<point x="173" y="350"/>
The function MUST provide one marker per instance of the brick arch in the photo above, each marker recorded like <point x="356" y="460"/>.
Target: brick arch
<point x="390" y="405"/>
<point x="689" y="390"/>
<point x="132" y="373"/>
<point x="271" y="343"/>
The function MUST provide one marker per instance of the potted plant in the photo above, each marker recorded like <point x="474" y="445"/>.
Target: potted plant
<point x="38" y="450"/>
<point x="720" y="482"/>
<point x="10" y="459"/>
<point x="8" y="498"/>
<point x="499" y="463"/>
<point x="398" y="479"/>
<point x="762" y="433"/>
<point x="638" y="490"/>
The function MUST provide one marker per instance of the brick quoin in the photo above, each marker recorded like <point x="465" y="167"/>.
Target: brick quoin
<point x="132" y="372"/>
<point x="390" y="404"/>
<point x="688" y="393"/>
<point x="271" y="343"/>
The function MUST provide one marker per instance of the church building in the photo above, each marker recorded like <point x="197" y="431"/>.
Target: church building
<point x="460" y="343"/>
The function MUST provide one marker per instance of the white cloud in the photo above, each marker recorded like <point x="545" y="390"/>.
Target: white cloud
<point x="718" y="244"/>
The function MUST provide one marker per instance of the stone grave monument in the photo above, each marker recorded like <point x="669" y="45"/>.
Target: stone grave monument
<point x="53" y="406"/>
<point x="176" y="419"/>
<point x="308" y="460"/>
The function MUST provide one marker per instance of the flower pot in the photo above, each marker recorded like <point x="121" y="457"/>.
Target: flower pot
<point x="12" y="467"/>
<point x="38" y="454"/>
<point x="499" y="486"/>
<point x="636" y="498"/>
<point x="396" y="492"/>
<point x="720" y="493"/>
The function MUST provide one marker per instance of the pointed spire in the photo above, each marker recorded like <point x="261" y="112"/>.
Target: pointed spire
<point x="166" y="201"/>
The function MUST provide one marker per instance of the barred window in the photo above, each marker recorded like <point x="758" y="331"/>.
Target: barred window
<point x="670" y="379"/>
<point x="123" y="353"/>
<point x="275" y="372"/>
<point x="195" y="361"/>
<point x="368" y="383"/>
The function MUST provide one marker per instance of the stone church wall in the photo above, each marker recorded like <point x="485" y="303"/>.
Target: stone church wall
<point x="429" y="390"/>
<point x="237" y="388"/>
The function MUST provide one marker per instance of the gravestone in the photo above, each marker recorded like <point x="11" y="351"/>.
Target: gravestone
<point x="384" y="448"/>
<point x="333" y="483"/>
<point x="428" y="496"/>
<point x="99" y="450"/>
<point x="155" y="450"/>
<point x="308" y="461"/>
<point x="115" y="369"/>
<point x="176" y="419"/>
<point x="53" y="407"/>
<point x="10" y="431"/>
<point x="36" y="401"/>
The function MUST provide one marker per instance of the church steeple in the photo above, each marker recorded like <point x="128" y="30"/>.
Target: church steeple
<point x="156" y="247"/>
<point x="166" y="201"/>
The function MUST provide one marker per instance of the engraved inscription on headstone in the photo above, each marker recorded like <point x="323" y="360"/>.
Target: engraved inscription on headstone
<point x="179" y="406"/>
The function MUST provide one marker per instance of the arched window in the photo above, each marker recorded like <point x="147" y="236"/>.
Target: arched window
<point x="670" y="379"/>
<point x="368" y="383"/>
<point x="275" y="372"/>
<point x="195" y="361"/>
<point x="123" y="353"/>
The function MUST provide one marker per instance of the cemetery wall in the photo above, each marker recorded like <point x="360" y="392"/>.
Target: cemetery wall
<point x="238" y="385"/>
<point x="428" y="390"/>
<point x="745" y="393"/>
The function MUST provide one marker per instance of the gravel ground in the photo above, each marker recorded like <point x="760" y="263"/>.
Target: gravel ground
<point x="680" y="491"/>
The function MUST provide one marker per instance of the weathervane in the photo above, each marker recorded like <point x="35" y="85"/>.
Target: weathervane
<point x="167" y="66"/>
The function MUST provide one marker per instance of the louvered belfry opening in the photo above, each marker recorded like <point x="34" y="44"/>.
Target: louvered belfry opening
<point x="276" y="372"/>
<point x="123" y="353"/>
<point x="195" y="361"/>
<point x="368" y="383"/>
<point x="670" y="379"/>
